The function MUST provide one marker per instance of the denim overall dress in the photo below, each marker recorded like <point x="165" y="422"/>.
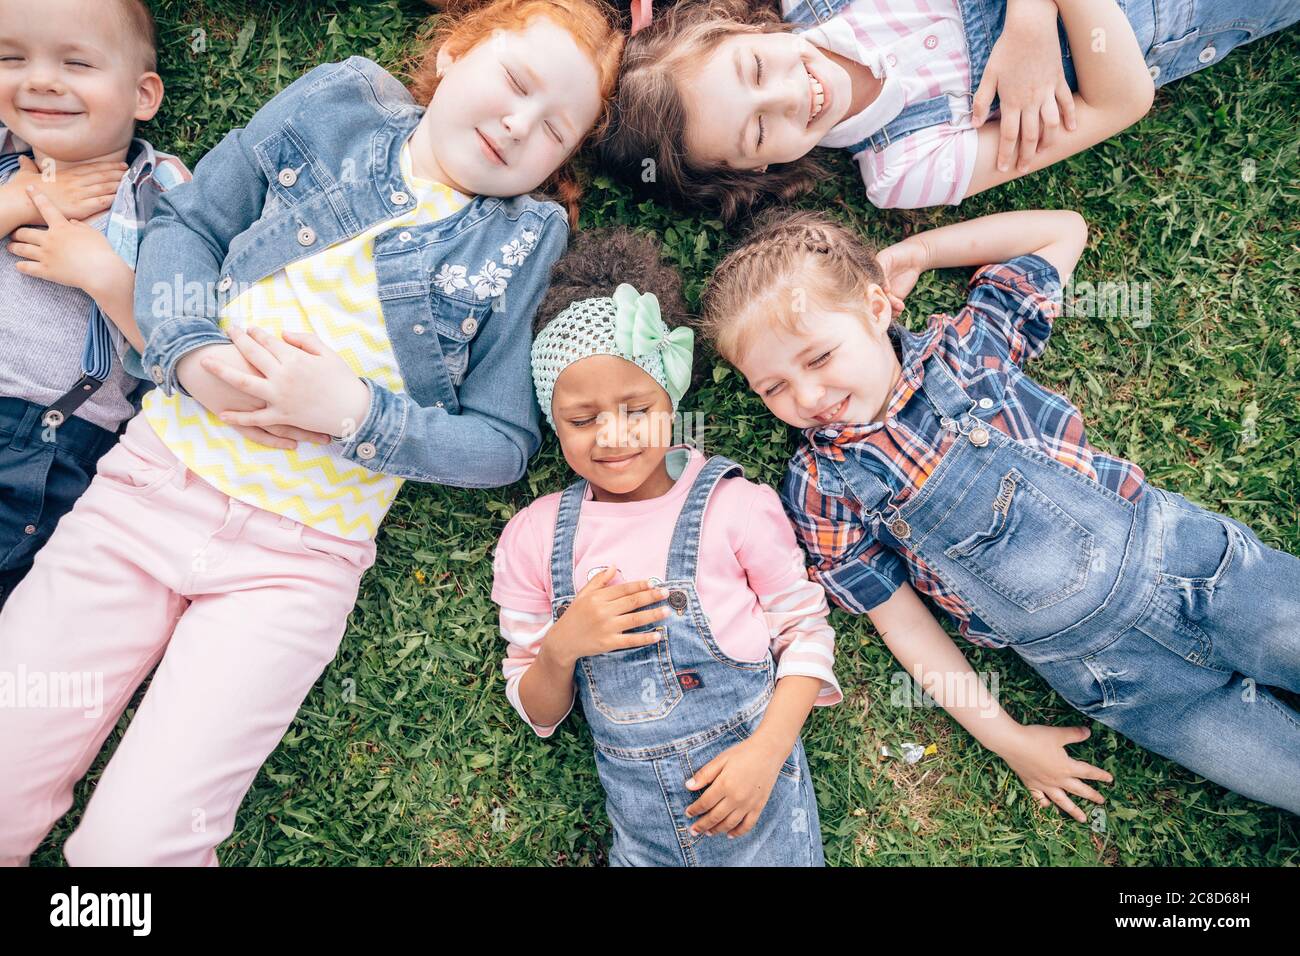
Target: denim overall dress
<point x="1157" y="618"/>
<point x="660" y="713"/>
<point x="1177" y="37"/>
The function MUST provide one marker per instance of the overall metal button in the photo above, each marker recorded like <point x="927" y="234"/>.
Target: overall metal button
<point x="437" y="404"/>
<point x="418" y="329"/>
<point x="366" y="450"/>
<point x="979" y="437"/>
<point x="900" y="529"/>
<point x="469" y="325"/>
<point x="156" y="373"/>
<point x="400" y="198"/>
<point x="677" y="600"/>
<point x="225" y="283"/>
<point x="30" y="529"/>
<point x="306" y="236"/>
<point x="53" y="418"/>
<point x="986" y="402"/>
<point x="559" y="611"/>
<point x="287" y="177"/>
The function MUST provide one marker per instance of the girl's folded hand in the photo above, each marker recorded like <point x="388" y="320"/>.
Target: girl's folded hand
<point x="1039" y="759"/>
<point x="598" y="619"/>
<point x="302" y="382"/>
<point x="739" y="781"/>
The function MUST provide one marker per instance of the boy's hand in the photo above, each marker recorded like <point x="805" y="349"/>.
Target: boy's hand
<point x="596" y="621"/>
<point x="1026" y="73"/>
<point x="902" y="263"/>
<point x="1040" y="761"/>
<point x="78" y="192"/>
<point x="299" y="380"/>
<point x="739" y="781"/>
<point x="68" y="252"/>
<point x="218" y="397"/>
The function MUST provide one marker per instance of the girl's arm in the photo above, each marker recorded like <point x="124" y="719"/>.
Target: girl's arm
<point x="1115" y="91"/>
<point x="1057" y="235"/>
<point x="1036" y="753"/>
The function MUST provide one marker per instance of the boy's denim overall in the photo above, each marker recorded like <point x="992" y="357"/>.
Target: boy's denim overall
<point x="661" y="712"/>
<point x="1157" y="618"/>
<point x="1177" y="37"/>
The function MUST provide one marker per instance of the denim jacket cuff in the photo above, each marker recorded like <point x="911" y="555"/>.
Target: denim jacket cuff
<point x="372" y="443"/>
<point x="170" y="341"/>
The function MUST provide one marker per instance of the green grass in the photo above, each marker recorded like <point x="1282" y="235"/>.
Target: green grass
<point x="406" y="751"/>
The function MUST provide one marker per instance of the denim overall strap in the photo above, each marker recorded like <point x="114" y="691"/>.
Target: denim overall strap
<point x="946" y="396"/>
<point x="807" y="12"/>
<point x="684" y="552"/>
<point x="980" y="22"/>
<point x="566" y="532"/>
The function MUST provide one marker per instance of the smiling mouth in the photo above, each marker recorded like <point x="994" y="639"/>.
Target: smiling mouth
<point x="493" y="153"/>
<point x="618" y="464"/>
<point x="834" y="413"/>
<point x="33" y="111"/>
<point x="816" y="97"/>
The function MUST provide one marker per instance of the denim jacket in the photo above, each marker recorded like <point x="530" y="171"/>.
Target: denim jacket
<point x="319" y="164"/>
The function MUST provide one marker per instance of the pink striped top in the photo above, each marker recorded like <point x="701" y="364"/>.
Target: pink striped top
<point x="751" y="578"/>
<point x="918" y="48"/>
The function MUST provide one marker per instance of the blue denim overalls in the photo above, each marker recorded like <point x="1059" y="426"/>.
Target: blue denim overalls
<point x="661" y="712"/>
<point x="1156" y="617"/>
<point x="1178" y="37"/>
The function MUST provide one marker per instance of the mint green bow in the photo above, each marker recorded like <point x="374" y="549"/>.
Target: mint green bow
<point x="639" y="329"/>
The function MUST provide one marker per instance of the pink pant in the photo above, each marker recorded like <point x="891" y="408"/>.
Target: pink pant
<point x="239" y="608"/>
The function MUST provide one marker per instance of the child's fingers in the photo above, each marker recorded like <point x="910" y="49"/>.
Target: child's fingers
<point x="257" y="387"/>
<point x="705" y="776"/>
<point x="705" y="824"/>
<point x="27" y="268"/>
<point x="632" y="639"/>
<point x="728" y="826"/>
<point x="1081" y="789"/>
<point x="26" y="250"/>
<point x="1051" y="123"/>
<point x="597" y="580"/>
<point x="625" y="622"/>
<point x="1086" y="771"/>
<point x="45" y="206"/>
<point x="306" y="341"/>
<point x="638" y="599"/>
<point x="299" y="434"/>
<point x="1010" y="135"/>
<point x="1028" y="139"/>
<point x="262" y="418"/>
<point x="263" y="437"/>
<point x="29" y="234"/>
<point x="252" y="350"/>
<point x="746" y="824"/>
<point x="983" y="100"/>
<point x="276" y="345"/>
<point x="1065" y="102"/>
<point x="1065" y="803"/>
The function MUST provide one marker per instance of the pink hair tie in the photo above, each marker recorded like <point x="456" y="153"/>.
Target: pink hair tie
<point x="641" y="14"/>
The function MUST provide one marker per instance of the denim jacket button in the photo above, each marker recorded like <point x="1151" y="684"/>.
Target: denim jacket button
<point x="366" y="450"/>
<point x="417" y="329"/>
<point x="437" y="404"/>
<point x="1206" y="55"/>
<point x="400" y="198"/>
<point x="404" y="236"/>
<point x="306" y="236"/>
<point x="30" y="529"/>
<point x="287" y="177"/>
<point x="1155" y="72"/>
<point x="156" y="373"/>
<point x="469" y="325"/>
<point x="225" y="283"/>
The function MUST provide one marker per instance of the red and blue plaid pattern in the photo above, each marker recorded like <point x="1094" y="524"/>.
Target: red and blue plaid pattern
<point x="1007" y="319"/>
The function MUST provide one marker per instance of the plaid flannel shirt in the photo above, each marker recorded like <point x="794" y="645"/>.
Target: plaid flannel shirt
<point x="1007" y="320"/>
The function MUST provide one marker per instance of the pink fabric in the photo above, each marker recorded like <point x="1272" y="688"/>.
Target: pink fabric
<point x="239" y="608"/>
<point x="751" y="578"/>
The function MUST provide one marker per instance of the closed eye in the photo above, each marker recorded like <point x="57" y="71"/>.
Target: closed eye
<point x="772" y="390"/>
<point x="820" y="360"/>
<point x="555" y="133"/>
<point x="515" y="83"/>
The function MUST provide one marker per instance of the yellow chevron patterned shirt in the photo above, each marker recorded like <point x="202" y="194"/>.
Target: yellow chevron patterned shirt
<point x="333" y="294"/>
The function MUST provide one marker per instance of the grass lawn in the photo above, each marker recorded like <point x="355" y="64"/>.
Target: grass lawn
<point x="406" y="751"/>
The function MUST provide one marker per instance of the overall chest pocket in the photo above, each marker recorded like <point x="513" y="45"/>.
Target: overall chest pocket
<point x="636" y="684"/>
<point x="457" y="320"/>
<point x="1033" y="553"/>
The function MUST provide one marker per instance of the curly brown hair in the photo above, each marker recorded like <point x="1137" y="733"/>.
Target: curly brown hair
<point x="598" y="260"/>
<point x="645" y="145"/>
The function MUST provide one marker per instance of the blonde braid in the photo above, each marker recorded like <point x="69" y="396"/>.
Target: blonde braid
<point x="785" y="251"/>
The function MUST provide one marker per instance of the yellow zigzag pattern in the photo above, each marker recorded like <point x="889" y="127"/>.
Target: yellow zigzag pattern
<point x="334" y="295"/>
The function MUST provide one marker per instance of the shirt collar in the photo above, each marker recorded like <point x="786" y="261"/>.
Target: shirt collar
<point x="140" y="155"/>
